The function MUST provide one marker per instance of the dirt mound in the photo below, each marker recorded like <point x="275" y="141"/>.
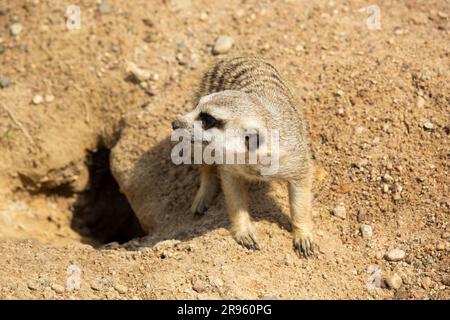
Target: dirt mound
<point x="85" y="164"/>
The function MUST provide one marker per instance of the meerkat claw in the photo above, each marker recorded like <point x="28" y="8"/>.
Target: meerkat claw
<point x="200" y="212"/>
<point x="304" y="247"/>
<point x="248" y="241"/>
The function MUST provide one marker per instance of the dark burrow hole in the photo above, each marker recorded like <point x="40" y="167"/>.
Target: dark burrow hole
<point x="101" y="213"/>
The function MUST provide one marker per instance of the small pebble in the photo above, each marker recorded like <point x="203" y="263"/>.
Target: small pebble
<point x="395" y="255"/>
<point x="394" y="281"/>
<point x="16" y="28"/>
<point x="420" y="103"/>
<point x="215" y="281"/>
<point x="203" y="16"/>
<point x="96" y="286"/>
<point x="366" y="231"/>
<point x="359" y="130"/>
<point x="426" y="283"/>
<point x="198" y="286"/>
<point x="140" y="73"/>
<point x="222" y="45"/>
<point x="104" y="8"/>
<point x="58" y="288"/>
<point x="340" y="211"/>
<point x="121" y="288"/>
<point x="428" y="125"/>
<point x="446" y="281"/>
<point x="442" y="15"/>
<point x="6" y="82"/>
<point x="37" y="99"/>
<point x="32" y="286"/>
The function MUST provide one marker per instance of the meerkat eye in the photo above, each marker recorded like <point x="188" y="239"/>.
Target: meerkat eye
<point x="208" y="121"/>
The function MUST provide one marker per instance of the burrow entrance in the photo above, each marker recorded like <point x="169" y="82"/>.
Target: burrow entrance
<point x="101" y="213"/>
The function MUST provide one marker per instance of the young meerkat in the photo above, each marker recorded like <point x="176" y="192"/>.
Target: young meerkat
<point x="247" y="93"/>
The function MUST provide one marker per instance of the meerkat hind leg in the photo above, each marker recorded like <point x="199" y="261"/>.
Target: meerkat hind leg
<point x="209" y="186"/>
<point x="301" y="218"/>
<point x="242" y="228"/>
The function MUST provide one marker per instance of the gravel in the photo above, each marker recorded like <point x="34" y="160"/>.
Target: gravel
<point x="395" y="255"/>
<point x="198" y="286"/>
<point x="37" y="99"/>
<point x="6" y="82"/>
<point x="121" y="288"/>
<point x="16" y="28"/>
<point x="366" y="231"/>
<point x="428" y="125"/>
<point x="222" y="45"/>
<point x="340" y="211"/>
<point x="58" y="288"/>
<point x="104" y="8"/>
<point x="394" y="281"/>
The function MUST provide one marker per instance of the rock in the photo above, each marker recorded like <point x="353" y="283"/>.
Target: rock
<point x="149" y="23"/>
<point x="37" y="99"/>
<point x="215" y="281"/>
<point x="359" y="130"/>
<point x="16" y="28"/>
<point x="387" y="178"/>
<point x="222" y="45"/>
<point x="420" y="103"/>
<point x="58" y="288"/>
<point x="394" y="281"/>
<point x="440" y="246"/>
<point x="340" y="211"/>
<point x="198" y="286"/>
<point x="96" y="286"/>
<point x="366" y="231"/>
<point x="32" y="286"/>
<point x="428" y="125"/>
<point x="140" y="73"/>
<point x="442" y="15"/>
<point x="203" y="16"/>
<point x="395" y="255"/>
<point x="446" y="281"/>
<point x="121" y="288"/>
<point x="6" y="82"/>
<point x="426" y="283"/>
<point x="104" y="8"/>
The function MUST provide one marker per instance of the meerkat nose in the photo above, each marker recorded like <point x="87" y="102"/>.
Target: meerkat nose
<point x="176" y="124"/>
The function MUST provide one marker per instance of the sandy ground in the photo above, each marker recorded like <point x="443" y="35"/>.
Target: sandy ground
<point x="377" y="104"/>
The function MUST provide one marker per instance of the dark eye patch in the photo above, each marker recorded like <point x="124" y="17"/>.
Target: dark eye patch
<point x="208" y="121"/>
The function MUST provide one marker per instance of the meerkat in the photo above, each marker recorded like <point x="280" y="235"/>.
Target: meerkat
<point x="249" y="93"/>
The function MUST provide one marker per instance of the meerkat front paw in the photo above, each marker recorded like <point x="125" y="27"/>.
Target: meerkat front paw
<point x="246" y="238"/>
<point x="303" y="243"/>
<point x="200" y="204"/>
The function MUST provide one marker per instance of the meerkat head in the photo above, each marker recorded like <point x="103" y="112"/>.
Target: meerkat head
<point x="220" y="113"/>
